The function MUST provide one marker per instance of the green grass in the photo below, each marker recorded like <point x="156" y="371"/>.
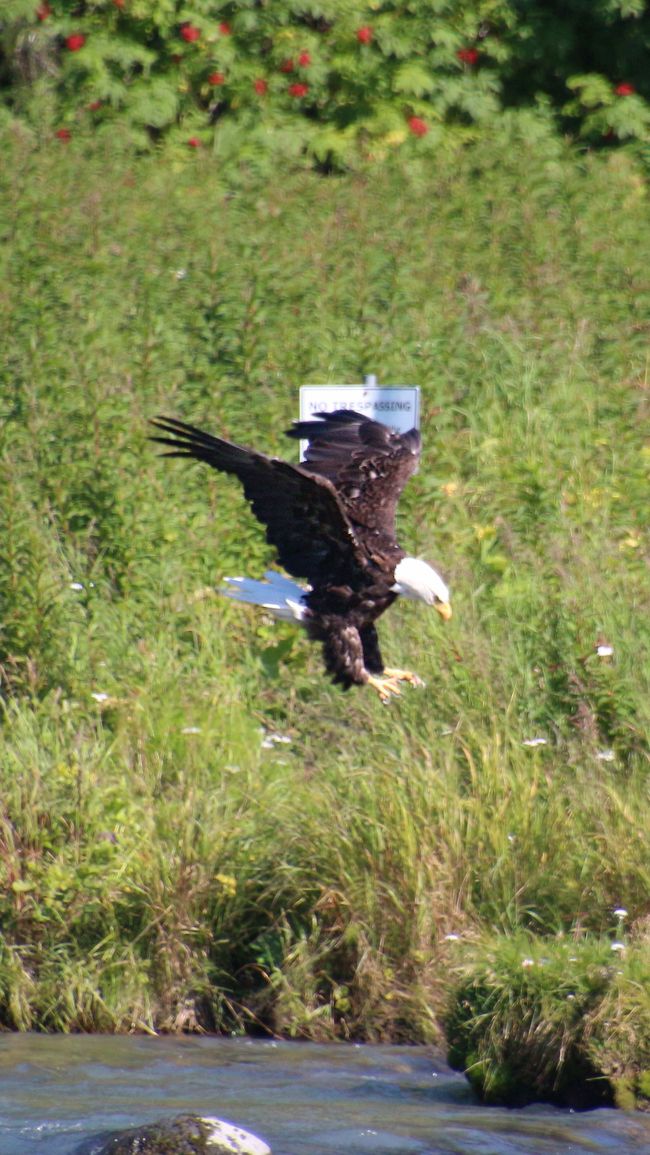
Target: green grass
<point x="160" y="867"/>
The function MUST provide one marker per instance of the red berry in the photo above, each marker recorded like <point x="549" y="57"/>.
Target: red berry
<point x="225" y="28"/>
<point x="216" y="78"/>
<point x="190" y="33"/>
<point x="76" y="41"/>
<point x="260" y="87"/>
<point x="63" y="133"/>
<point x="194" y="142"/>
<point x="287" y="66"/>
<point x="467" y="55"/>
<point x="418" y="126"/>
<point x="304" y="60"/>
<point x="625" y="90"/>
<point x="43" y="11"/>
<point x="298" y="90"/>
<point x="364" y="35"/>
<point x="95" y="106"/>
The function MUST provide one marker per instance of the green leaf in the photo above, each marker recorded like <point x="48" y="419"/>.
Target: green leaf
<point x="414" y="79"/>
<point x="154" y="102"/>
<point x="592" y="89"/>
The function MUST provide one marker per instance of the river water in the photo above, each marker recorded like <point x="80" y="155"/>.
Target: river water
<point x="302" y="1098"/>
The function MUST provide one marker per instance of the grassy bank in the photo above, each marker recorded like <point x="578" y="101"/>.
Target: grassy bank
<point x="562" y="1019"/>
<point x="196" y="829"/>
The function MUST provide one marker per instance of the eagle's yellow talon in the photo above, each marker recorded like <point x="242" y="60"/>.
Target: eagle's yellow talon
<point x="385" y="686"/>
<point x="403" y="676"/>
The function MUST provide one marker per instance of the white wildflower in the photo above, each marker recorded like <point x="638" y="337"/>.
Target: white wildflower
<point x="76" y="586"/>
<point x="100" y="697"/>
<point x="528" y="962"/>
<point x="604" y="651"/>
<point x="181" y="274"/>
<point x="271" y="740"/>
<point x="534" y="742"/>
<point x="618" y="947"/>
<point x="605" y="755"/>
<point x="620" y="912"/>
<point x="452" y="937"/>
<point x="191" y="730"/>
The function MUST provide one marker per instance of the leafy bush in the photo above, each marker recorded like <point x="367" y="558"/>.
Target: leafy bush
<point x="328" y="78"/>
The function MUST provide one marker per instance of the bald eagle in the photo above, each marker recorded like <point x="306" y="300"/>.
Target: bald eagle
<point x="332" y="522"/>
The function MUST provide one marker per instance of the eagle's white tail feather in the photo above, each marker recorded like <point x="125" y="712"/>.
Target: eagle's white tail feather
<point x="278" y="594"/>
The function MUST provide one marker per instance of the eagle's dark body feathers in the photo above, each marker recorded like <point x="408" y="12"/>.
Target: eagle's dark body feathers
<point x="331" y="520"/>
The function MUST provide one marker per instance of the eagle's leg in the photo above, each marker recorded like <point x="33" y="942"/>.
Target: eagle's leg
<point x="383" y="680"/>
<point x="398" y="675"/>
<point x="373" y="663"/>
<point x="352" y="655"/>
<point x="372" y="658"/>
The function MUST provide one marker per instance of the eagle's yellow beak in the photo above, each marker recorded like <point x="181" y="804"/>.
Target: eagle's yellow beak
<point x="444" y="609"/>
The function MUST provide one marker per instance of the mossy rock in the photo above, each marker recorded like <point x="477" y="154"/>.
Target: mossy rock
<point x="184" y="1135"/>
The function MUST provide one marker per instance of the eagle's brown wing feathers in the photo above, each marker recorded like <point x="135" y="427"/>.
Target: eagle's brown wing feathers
<point x="305" y="519"/>
<point x="367" y="463"/>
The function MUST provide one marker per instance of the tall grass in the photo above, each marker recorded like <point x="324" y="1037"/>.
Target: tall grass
<point x="195" y="828"/>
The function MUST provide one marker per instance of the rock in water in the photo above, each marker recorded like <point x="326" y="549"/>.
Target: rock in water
<point x="184" y="1135"/>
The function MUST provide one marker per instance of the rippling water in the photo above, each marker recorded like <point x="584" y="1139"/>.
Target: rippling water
<point x="302" y="1098"/>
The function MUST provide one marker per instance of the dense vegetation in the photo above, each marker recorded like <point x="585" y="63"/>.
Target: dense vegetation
<point x="334" y="79"/>
<point x="195" y="828"/>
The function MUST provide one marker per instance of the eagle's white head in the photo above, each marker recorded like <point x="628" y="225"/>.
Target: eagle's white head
<point x="416" y="579"/>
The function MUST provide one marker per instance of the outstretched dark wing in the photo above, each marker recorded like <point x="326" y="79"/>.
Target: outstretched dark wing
<point x="367" y="463"/>
<point x="304" y="518"/>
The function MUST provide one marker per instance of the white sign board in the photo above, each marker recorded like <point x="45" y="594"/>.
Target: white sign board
<point x="394" y="405"/>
